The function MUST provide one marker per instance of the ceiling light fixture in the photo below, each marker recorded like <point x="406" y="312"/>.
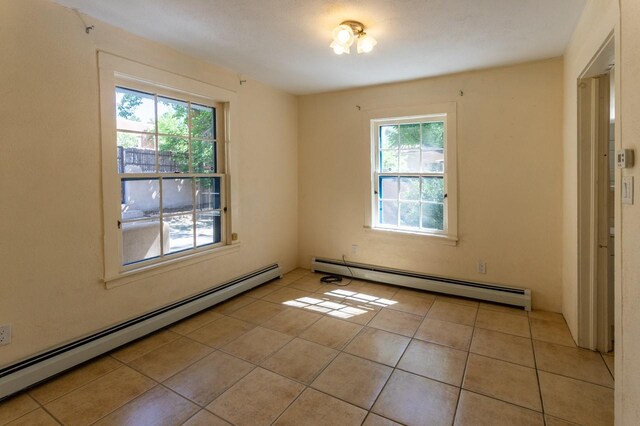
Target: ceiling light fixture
<point x="346" y="33"/>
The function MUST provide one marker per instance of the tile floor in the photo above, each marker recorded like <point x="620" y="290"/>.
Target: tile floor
<point x="297" y="352"/>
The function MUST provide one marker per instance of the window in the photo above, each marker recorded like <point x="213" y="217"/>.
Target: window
<point x="165" y="166"/>
<point x="412" y="167"/>
<point x="172" y="198"/>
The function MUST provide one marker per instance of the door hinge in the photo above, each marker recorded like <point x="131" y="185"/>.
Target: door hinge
<point x="119" y="224"/>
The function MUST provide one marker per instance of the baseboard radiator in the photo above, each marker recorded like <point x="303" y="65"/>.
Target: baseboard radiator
<point x="28" y="372"/>
<point x="490" y="292"/>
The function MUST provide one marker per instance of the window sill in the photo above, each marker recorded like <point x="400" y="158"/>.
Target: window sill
<point x="133" y="275"/>
<point x="445" y="239"/>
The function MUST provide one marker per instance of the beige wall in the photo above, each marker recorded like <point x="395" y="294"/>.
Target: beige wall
<point x="596" y="23"/>
<point x="628" y="325"/>
<point x="509" y="174"/>
<point x="51" y="229"/>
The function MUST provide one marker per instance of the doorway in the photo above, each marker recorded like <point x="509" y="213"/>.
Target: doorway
<point x="596" y="206"/>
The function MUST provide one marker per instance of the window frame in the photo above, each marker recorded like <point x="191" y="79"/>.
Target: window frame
<point x="119" y="72"/>
<point x="418" y="114"/>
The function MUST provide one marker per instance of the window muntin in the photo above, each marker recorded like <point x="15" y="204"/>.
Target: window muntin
<point x="171" y="179"/>
<point x="410" y="174"/>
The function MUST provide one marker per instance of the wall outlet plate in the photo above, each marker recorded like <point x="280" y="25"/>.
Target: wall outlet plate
<point x="627" y="189"/>
<point x="5" y="334"/>
<point x="482" y="267"/>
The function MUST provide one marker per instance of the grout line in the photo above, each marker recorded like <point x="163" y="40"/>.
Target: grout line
<point x="535" y="363"/>
<point x="466" y="365"/>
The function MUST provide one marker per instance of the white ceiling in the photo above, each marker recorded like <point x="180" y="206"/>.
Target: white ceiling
<point x="286" y="42"/>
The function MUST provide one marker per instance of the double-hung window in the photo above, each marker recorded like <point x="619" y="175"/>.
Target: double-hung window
<point x="171" y="179"/>
<point x="166" y="185"/>
<point x="411" y="174"/>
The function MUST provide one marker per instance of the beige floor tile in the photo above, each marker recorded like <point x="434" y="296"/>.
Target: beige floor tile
<point x="506" y="347"/>
<point x="309" y="283"/>
<point x="292" y="321"/>
<point x="258" y="399"/>
<point x="452" y="312"/>
<point x="167" y="360"/>
<point x="505" y="323"/>
<point x="258" y="312"/>
<point x="284" y="295"/>
<point x="300" y="360"/>
<point x="554" y="421"/>
<point x="221" y="332"/>
<point x="379" y="291"/>
<point x="38" y="417"/>
<point x="551" y="331"/>
<point x="355" y="312"/>
<point x="73" y="379"/>
<point x="402" y="292"/>
<point x="412" y="304"/>
<point x="576" y="401"/>
<point x="396" y="322"/>
<point x="513" y="310"/>
<point x="503" y="380"/>
<point x="457" y="336"/>
<point x="378" y="345"/>
<point x="158" y="407"/>
<point x="15" y="407"/>
<point x="205" y="418"/>
<point x="376" y="420"/>
<point x="458" y="300"/>
<point x="316" y="408"/>
<point x="257" y="344"/>
<point x="547" y="316"/>
<point x="194" y="322"/>
<point x="142" y="346"/>
<point x="581" y="364"/>
<point x="410" y="399"/>
<point x="233" y="305"/>
<point x="208" y="378"/>
<point x="353" y="379"/>
<point x="611" y="364"/>
<point x="331" y="332"/>
<point x="434" y="361"/>
<point x="264" y="290"/>
<point x="479" y="410"/>
<point x="297" y="273"/>
<point x="99" y="397"/>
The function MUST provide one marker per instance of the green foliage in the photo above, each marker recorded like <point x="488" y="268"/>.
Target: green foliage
<point x="128" y="140"/>
<point x="127" y="106"/>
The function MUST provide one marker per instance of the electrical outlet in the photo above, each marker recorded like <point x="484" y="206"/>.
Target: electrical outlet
<point x="5" y="334"/>
<point x="354" y="249"/>
<point x="482" y="267"/>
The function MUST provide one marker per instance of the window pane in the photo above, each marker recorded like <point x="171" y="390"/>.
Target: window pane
<point x="180" y="233"/>
<point x="388" y="137"/>
<point x="173" y="154"/>
<point x="433" y="216"/>
<point x="139" y="198"/>
<point x="177" y="195"/>
<point x="208" y="228"/>
<point x="204" y="156"/>
<point x="208" y="193"/>
<point x="136" y="153"/>
<point x="433" y="189"/>
<point x="410" y="161"/>
<point x="410" y="188"/>
<point x="389" y="161"/>
<point x="433" y="135"/>
<point x="388" y="187"/>
<point x="135" y="111"/>
<point x="172" y="117"/>
<point x="388" y="214"/>
<point x="140" y="241"/>
<point x="433" y="161"/>
<point x="202" y="122"/>
<point x="410" y="214"/>
<point x="410" y="136"/>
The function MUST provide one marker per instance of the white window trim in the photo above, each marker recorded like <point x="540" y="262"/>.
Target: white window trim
<point x="113" y="71"/>
<point x="371" y="117"/>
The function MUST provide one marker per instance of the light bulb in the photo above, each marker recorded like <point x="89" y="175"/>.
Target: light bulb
<point x="366" y="43"/>
<point x="343" y="34"/>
